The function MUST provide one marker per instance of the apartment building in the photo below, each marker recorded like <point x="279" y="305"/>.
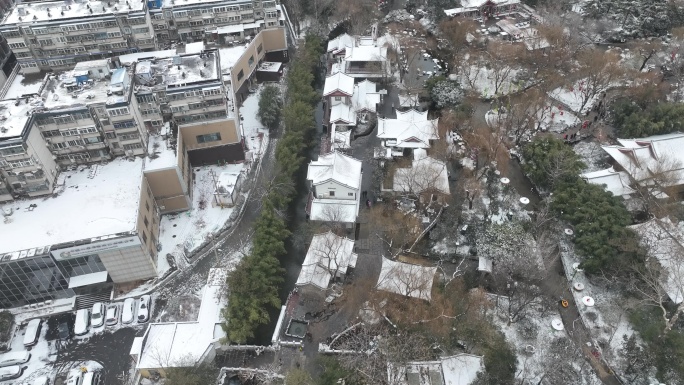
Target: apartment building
<point x="56" y="35"/>
<point x="89" y="115"/>
<point x="27" y="167"/>
<point x="221" y="21"/>
<point x="101" y="227"/>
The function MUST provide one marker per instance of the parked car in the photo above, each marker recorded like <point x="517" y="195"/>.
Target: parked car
<point x="14" y="358"/>
<point x="75" y="378"/>
<point x="10" y="372"/>
<point x="112" y="317"/>
<point x="63" y="330"/>
<point x="128" y="311"/>
<point x="82" y="322"/>
<point x="97" y="316"/>
<point x="32" y="332"/>
<point x="144" y="308"/>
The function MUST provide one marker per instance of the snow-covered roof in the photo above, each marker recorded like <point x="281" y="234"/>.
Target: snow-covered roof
<point x="425" y="173"/>
<point x="226" y="182"/>
<point x="484" y="264"/>
<point x="69" y="12"/>
<point x="659" y="156"/>
<point x="365" y="53"/>
<point x="328" y="254"/>
<point x="411" y="129"/>
<point x="408" y="100"/>
<point x="665" y="241"/>
<point x="341" y="139"/>
<point x="366" y="96"/>
<point x="134" y="57"/>
<point x="188" y="68"/>
<point x="406" y="279"/>
<point x="63" y="90"/>
<point x="341" y="42"/>
<point x="230" y="55"/>
<point x="614" y="181"/>
<point x="460" y="369"/>
<point x="88" y="203"/>
<point x="338" y="82"/>
<point x="479" y="3"/>
<point x="337" y="167"/>
<point x="170" y="344"/>
<point x="161" y="155"/>
<point x="13" y="117"/>
<point x="335" y="210"/>
<point x="343" y="114"/>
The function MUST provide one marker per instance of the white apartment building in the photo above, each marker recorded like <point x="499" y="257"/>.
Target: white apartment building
<point x="56" y="35"/>
<point x="221" y="21"/>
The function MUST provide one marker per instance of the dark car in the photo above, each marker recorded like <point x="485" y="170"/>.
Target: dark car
<point x="63" y="330"/>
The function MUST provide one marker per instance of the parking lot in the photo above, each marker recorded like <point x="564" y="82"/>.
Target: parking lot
<point x="58" y="350"/>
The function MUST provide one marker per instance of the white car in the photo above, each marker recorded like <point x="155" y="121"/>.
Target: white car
<point x="82" y="321"/>
<point x="10" y="372"/>
<point x="128" y="311"/>
<point x="97" y="316"/>
<point x="14" y="358"/>
<point x="144" y="308"/>
<point x="112" y="317"/>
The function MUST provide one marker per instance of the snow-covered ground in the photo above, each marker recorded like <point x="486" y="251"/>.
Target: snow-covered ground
<point x="532" y="339"/>
<point x="483" y="81"/>
<point x="592" y="155"/>
<point x="552" y="118"/>
<point x="607" y="320"/>
<point x="184" y="232"/>
<point x="577" y="94"/>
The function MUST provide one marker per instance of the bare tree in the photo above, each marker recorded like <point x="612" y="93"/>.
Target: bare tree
<point x="358" y="13"/>
<point x="597" y="72"/>
<point x="662" y="276"/>
<point x="501" y="59"/>
<point x="332" y="252"/>
<point x="394" y="227"/>
<point x="425" y="176"/>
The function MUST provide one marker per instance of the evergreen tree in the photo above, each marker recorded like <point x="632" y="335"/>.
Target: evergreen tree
<point x="270" y="105"/>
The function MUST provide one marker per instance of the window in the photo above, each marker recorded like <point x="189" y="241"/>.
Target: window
<point x="338" y="98"/>
<point x="350" y="194"/>
<point x="132" y="136"/>
<point x="260" y="47"/>
<point x="241" y="75"/>
<point x="110" y="135"/>
<point x="118" y="111"/>
<point x="21" y="163"/>
<point x="133" y="146"/>
<point x="76" y="142"/>
<point x="145" y="221"/>
<point x="18" y="45"/>
<point x="271" y="15"/>
<point x="331" y="193"/>
<point x="147" y="206"/>
<point x="144" y="237"/>
<point x="124" y="124"/>
<point x="59" y="146"/>
<point x="145" y="98"/>
<point x="251" y="61"/>
<point x="212" y="91"/>
<point x="209" y="137"/>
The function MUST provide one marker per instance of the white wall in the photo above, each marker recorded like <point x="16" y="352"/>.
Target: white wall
<point x="341" y="192"/>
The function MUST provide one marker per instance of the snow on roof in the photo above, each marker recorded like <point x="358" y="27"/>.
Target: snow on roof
<point x="88" y="203"/>
<point x="185" y="69"/>
<point x="615" y="182"/>
<point x="426" y="173"/>
<point x="328" y="254"/>
<point x="339" y="43"/>
<point x="658" y="156"/>
<point x="269" y="66"/>
<point x="479" y="3"/>
<point x="337" y="167"/>
<point x="226" y="182"/>
<point x="134" y="57"/>
<point x="13" y="117"/>
<point x="335" y="210"/>
<point x="664" y="241"/>
<point x="229" y="56"/>
<point x="160" y="153"/>
<point x="196" y="47"/>
<point x="343" y="114"/>
<point x="366" y="96"/>
<point x="64" y="91"/>
<point x="20" y="86"/>
<point x="406" y="279"/>
<point x="341" y="139"/>
<point x="484" y="264"/>
<point x="411" y="129"/>
<point x="78" y="12"/>
<point x="339" y="82"/>
<point x="365" y="53"/>
<point x="460" y="369"/>
<point x="176" y="343"/>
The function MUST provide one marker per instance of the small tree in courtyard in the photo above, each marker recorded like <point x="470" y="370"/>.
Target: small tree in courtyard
<point x="270" y="104"/>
